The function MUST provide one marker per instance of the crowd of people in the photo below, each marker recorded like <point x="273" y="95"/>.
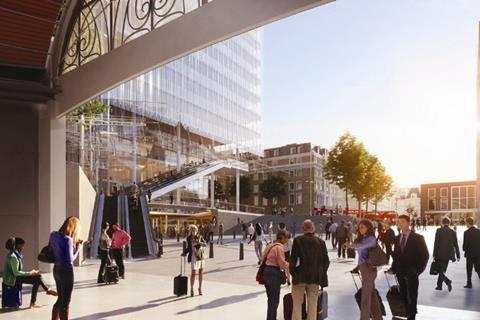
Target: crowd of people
<point x="306" y="261"/>
<point x="300" y="261"/>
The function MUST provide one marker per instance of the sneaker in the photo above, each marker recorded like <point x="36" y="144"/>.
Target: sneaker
<point x="35" y="306"/>
<point x="468" y="286"/>
<point x="438" y="288"/>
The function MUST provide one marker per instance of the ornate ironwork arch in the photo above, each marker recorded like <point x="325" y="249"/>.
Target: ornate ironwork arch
<point x="103" y="25"/>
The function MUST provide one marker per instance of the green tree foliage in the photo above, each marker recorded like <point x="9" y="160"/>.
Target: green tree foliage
<point x="351" y="167"/>
<point x="246" y="188"/>
<point x="274" y="187"/>
<point x="217" y="190"/>
<point x="345" y="164"/>
<point x="91" y="109"/>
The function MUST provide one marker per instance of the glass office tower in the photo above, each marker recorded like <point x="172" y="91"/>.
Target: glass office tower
<point x="213" y="93"/>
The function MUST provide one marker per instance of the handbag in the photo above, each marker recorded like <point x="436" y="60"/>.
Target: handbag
<point x="434" y="268"/>
<point x="376" y="257"/>
<point x="46" y="255"/>
<point x="259" y="278"/>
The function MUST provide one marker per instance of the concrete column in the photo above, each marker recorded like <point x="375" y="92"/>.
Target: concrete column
<point x="212" y="190"/>
<point x="134" y="150"/>
<point x="51" y="175"/>
<point x="237" y="190"/>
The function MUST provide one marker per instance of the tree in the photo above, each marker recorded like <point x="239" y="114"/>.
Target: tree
<point x="274" y="187"/>
<point x="345" y="164"/>
<point x="90" y="109"/>
<point x="366" y="189"/>
<point x="383" y="188"/>
<point x="246" y="189"/>
<point x="217" y="190"/>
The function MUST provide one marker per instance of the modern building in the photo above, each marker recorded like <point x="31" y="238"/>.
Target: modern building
<point x="201" y="107"/>
<point x="301" y="166"/>
<point x="452" y="199"/>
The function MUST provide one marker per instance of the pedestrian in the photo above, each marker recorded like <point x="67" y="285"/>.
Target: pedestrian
<point x="120" y="239"/>
<point x="287" y="247"/>
<point x="65" y="246"/>
<point x="244" y="231"/>
<point x="410" y="257"/>
<point x="471" y="246"/>
<point x="14" y="276"/>
<point x="320" y="228"/>
<point x="333" y="234"/>
<point x="444" y="249"/>
<point x="149" y="195"/>
<point x="196" y="256"/>
<point x="424" y="224"/>
<point x="369" y="306"/>
<point x="309" y="264"/>
<point x="327" y="230"/>
<point x="211" y="227"/>
<point x="274" y="272"/>
<point x="104" y="252"/>
<point x="251" y="231"/>
<point x="258" y="238"/>
<point x="388" y="240"/>
<point x="342" y="235"/>
<point x="220" y="233"/>
<point x="270" y="232"/>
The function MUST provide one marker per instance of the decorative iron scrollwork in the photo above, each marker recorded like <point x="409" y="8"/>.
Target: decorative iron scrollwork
<point x="103" y="25"/>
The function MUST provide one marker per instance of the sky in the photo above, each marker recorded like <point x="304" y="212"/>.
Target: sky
<point x="398" y="74"/>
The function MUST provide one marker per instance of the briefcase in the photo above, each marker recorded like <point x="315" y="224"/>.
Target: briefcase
<point x="434" y="268"/>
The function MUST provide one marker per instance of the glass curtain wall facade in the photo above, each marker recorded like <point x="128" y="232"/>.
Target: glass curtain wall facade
<point x="213" y="93"/>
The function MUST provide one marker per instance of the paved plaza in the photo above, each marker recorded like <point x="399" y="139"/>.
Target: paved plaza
<point x="230" y="291"/>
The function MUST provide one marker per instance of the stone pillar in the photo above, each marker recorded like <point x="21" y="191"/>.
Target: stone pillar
<point x="237" y="190"/>
<point x="51" y="175"/>
<point x="212" y="190"/>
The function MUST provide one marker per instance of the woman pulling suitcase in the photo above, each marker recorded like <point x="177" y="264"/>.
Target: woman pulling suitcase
<point x="370" y="305"/>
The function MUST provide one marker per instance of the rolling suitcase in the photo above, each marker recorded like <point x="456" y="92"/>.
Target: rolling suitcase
<point x="322" y="305"/>
<point x="288" y="307"/>
<point x="395" y="299"/>
<point x="351" y="253"/>
<point x="358" y="295"/>
<point x="180" y="282"/>
<point x="111" y="274"/>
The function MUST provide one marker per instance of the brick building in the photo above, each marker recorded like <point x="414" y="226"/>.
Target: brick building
<point x="453" y="199"/>
<point x="301" y="165"/>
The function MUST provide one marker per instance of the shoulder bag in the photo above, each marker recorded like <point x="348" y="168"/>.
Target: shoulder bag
<point x="376" y="257"/>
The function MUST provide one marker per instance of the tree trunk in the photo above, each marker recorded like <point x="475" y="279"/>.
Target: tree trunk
<point x="346" y="199"/>
<point x="366" y="205"/>
<point x="376" y="203"/>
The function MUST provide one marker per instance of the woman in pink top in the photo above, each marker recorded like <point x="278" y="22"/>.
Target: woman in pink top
<point x="120" y="239"/>
<point x="275" y="266"/>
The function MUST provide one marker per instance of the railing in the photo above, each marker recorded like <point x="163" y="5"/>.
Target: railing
<point x="103" y="25"/>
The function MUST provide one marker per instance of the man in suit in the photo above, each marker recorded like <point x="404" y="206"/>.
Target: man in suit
<point x="471" y="246"/>
<point x="410" y="258"/>
<point x="444" y="249"/>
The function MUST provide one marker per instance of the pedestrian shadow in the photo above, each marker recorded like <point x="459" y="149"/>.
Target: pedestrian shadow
<point x="129" y="310"/>
<point x="221" y="302"/>
<point x="229" y="268"/>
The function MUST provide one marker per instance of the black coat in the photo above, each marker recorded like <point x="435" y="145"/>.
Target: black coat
<point x="414" y="258"/>
<point x="471" y="242"/>
<point x="311" y="253"/>
<point x="190" y="240"/>
<point x="389" y="237"/>
<point x="446" y="244"/>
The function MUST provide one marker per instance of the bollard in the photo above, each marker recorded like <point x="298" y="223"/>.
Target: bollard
<point x="234" y="234"/>
<point x="241" y="251"/>
<point x="211" y="251"/>
<point x="184" y="245"/>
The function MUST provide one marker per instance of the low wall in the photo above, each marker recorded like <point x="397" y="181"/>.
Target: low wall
<point x="230" y="219"/>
